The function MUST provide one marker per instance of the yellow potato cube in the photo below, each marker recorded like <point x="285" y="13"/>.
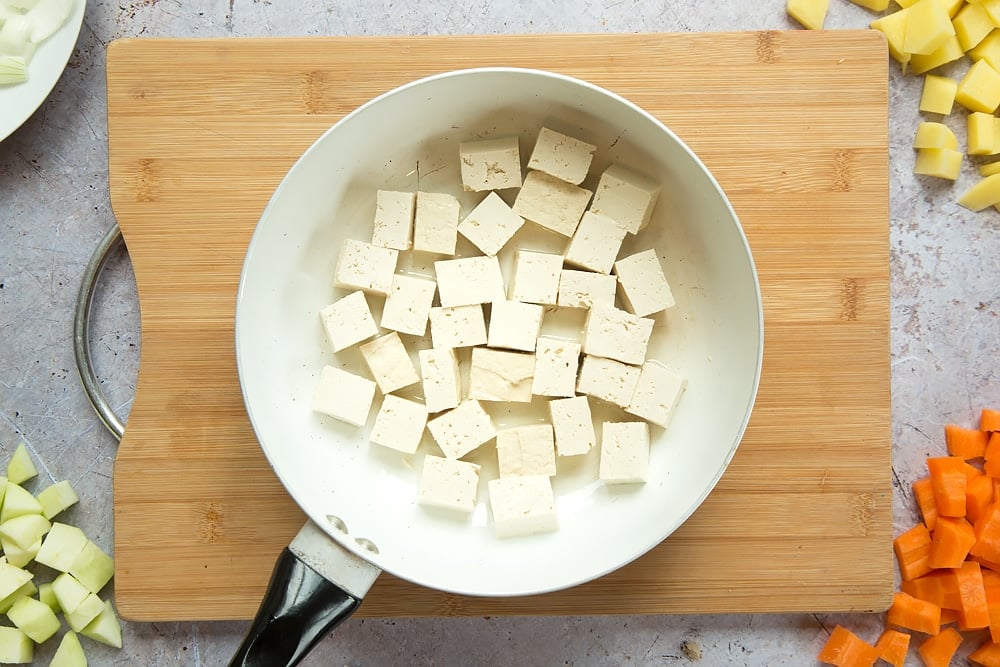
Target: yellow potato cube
<point x="992" y="9"/>
<point x="989" y="168"/>
<point x="952" y="6"/>
<point x="938" y="95"/>
<point x="893" y="26"/>
<point x="905" y="3"/>
<point x="810" y="13"/>
<point x="938" y="162"/>
<point x="874" y="5"/>
<point x="972" y="24"/>
<point x="984" y="193"/>
<point x="935" y="135"/>
<point x="979" y="89"/>
<point x="928" y="26"/>
<point x="980" y="134"/>
<point x="946" y="53"/>
<point x="988" y="50"/>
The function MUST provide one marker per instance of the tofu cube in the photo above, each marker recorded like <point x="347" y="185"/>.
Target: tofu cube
<point x="939" y="135"/>
<point x="408" y="304"/>
<point x="562" y="156"/>
<point x="656" y="393"/>
<point x="625" y="196"/>
<point x="498" y="375"/>
<point x="344" y="396"/>
<point x="938" y="95"/>
<point x="459" y="431"/>
<point x="526" y="450"/>
<point x="536" y="277"/>
<point x="551" y="202"/>
<point x="399" y="424"/>
<point x="572" y="425"/>
<point x="394" y="219"/>
<point x="469" y="281"/>
<point x="435" y="223"/>
<point x="596" y="243"/>
<point x="348" y="320"/>
<point x="522" y="505"/>
<point x="490" y="224"/>
<point x="556" y="363"/>
<point x="624" y="453"/>
<point x="615" y="334"/>
<point x="811" y="14"/>
<point x="608" y="380"/>
<point x="979" y="89"/>
<point x="389" y="363"/>
<point x="644" y="287"/>
<point x="972" y="23"/>
<point x="490" y="164"/>
<point x="584" y="289"/>
<point x="460" y="326"/>
<point x="448" y="483"/>
<point x="514" y="325"/>
<point x="938" y="162"/>
<point x="442" y="380"/>
<point x="927" y="27"/>
<point x="365" y="267"/>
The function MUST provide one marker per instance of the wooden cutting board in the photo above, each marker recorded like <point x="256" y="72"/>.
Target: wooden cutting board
<point x="794" y="126"/>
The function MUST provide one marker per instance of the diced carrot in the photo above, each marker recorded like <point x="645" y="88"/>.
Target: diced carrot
<point x="892" y="647"/>
<point x="968" y="443"/>
<point x="948" y="479"/>
<point x="979" y="494"/>
<point x="991" y="586"/>
<point x="914" y="614"/>
<point x="950" y="542"/>
<point x="846" y="649"/>
<point x="992" y="447"/>
<point x="987" y="655"/>
<point x="989" y="420"/>
<point x="987" y="532"/>
<point x="938" y="588"/>
<point x="974" y="613"/>
<point x="937" y="651"/>
<point x="913" y="549"/>
<point x="948" y="616"/>
<point x="923" y="493"/>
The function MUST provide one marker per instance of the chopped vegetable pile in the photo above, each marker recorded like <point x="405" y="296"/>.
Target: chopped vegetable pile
<point x="24" y="24"/>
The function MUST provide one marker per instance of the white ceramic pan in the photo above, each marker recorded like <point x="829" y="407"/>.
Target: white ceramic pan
<point x="361" y="498"/>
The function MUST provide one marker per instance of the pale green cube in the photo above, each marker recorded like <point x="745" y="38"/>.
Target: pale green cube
<point x="24" y="530"/>
<point x="93" y="568"/>
<point x="56" y="498"/>
<point x="20" y="468"/>
<point x="61" y="546"/>
<point x="18" y="556"/>
<point x="105" y="628"/>
<point x="17" y="502"/>
<point x="69" y="653"/>
<point x="12" y="578"/>
<point x="33" y="618"/>
<point x="25" y="590"/>
<point x="69" y="592"/>
<point x="85" y="612"/>
<point x="48" y="596"/>
<point x="16" y="648"/>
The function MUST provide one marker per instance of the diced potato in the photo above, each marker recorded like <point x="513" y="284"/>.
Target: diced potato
<point x="928" y="26"/>
<point x="809" y="13"/>
<point x="979" y="89"/>
<point x="983" y="194"/>
<point x="948" y="52"/>
<point x="989" y="168"/>
<point x="980" y="133"/>
<point x="952" y="6"/>
<point x="935" y="135"/>
<point x="893" y="26"/>
<point x="70" y="652"/>
<point x="16" y="648"/>
<point x="988" y="50"/>
<point x="938" y="95"/>
<point x="972" y="24"/>
<point x="20" y="468"/>
<point x="938" y="162"/>
<point x="56" y="498"/>
<point x="992" y="8"/>
<point x="17" y="502"/>
<point x="33" y="618"/>
<point x="874" y="5"/>
<point x="905" y="3"/>
<point x="105" y="628"/>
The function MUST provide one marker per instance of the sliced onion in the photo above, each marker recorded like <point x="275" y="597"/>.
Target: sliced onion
<point x="15" y="37"/>
<point x="13" y="69"/>
<point x="47" y="16"/>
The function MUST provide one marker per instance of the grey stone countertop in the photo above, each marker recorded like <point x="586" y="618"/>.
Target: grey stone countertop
<point x="54" y="208"/>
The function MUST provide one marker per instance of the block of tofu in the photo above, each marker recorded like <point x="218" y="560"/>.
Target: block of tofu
<point x="551" y="202"/>
<point x="448" y="483"/>
<point x="498" y="375"/>
<point x="572" y="425"/>
<point x="491" y="224"/>
<point x="394" y="219"/>
<point x="389" y="363"/>
<point x="459" y="431"/>
<point x="514" y="325"/>
<point x="596" y="243"/>
<point x="460" y="326"/>
<point x="585" y="289"/>
<point x="615" y="334"/>
<point x="625" y="196"/>
<point x="656" y="393"/>
<point x="490" y="164"/>
<point x="526" y="450"/>
<point x="536" y="277"/>
<point x="343" y="395"/>
<point x="408" y="304"/>
<point x="348" y="320"/>
<point x="556" y="363"/>
<point x="522" y="505"/>
<point x="365" y="267"/>
<point x="562" y="156"/>
<point x="624" y="452"/>
<point x="399" y="424"/>
<point x="441" y="377"/>
<point x="468" y="281"/>
<point x="644" y="287"/>
<point x="607" y="379"/>
<point x="435" y="223"/>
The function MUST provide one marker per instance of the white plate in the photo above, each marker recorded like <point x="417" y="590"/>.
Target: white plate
<point x="714" y="336"/>
<point x="19" y="101"/>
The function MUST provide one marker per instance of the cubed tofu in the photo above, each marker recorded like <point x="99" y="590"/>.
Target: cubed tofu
<point x="585" y="289"/>
<point x="491" y="224"/>
<point x="614" y="334"/>
<point x="441" y="377"/>
<point x="572" y="425"/>
<point x="526" y="450"/>
<point x="972" y="23"/>
<point x="389" y="363"/>
<point x="435" y="223"/>
<point x="363" y="266"/>
<point x="626" y="196"/>
<point x="551" y="202"/>
<point x="468" y="281"/>
<point x="562" y="156"/>
<point x="399" y="424"/>
<point x="348" y="320"/>
<point x="644" y="287"/>
<point x="893" y="26"/>
<point x="596" y="243"/>
<point x="522" y="505"/>
<point x="408" y="304"/>
<point x="490" y="164"/>
<point x="935" y="135"/>
<point x="448" y="483"/>
<point x="459" y="326"/>
<point x="498" y="375"/>
<point x="979" y="134"/>
<point x="948" y="52"/>
<point x="393" y="226"/>
<point x="536" y="277"/>
<point x="344" y="396"/>
<point x="810" y="14"/>
<point x="624" y="453"/>
<point x="928" y="26"/>
<point x="938" y="94"/>
<point x="460" y="431"/>
<point x="979" y="89"/>
<point x="607" y="379"/>
<point x="656" y="393"/>
<point x="514" y="325"/>
<point x="556" y="363"/>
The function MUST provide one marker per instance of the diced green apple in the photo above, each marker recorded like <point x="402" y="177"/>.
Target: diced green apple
<point x="48" y="596"/>
<point x="24" y="530"/>
<point x="18" y="556"/>
<point x="11" y="578"/>
<point x="69" y="592"/>
<point x="34" y="618"/>
<point x="20" y="468"/>
<point x="93" y="568"/>
<point x="69" y="653"/>
<point x="16" y="648"/>
<point x="105" y="628"/>
<point x="18" y="502"/>
<point x="61" y="546"/>
<point x="85" y="612"/>
<point x="8" y="602"/>
<point x="56" y="498"/>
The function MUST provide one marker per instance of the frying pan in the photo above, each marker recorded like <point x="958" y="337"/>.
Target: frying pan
<point x="360" y="498"/>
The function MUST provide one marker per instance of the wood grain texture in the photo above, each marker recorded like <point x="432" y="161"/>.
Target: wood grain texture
<point x="794" y="126"/>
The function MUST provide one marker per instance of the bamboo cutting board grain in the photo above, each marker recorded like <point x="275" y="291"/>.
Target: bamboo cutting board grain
<point x="794" y="126"/>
